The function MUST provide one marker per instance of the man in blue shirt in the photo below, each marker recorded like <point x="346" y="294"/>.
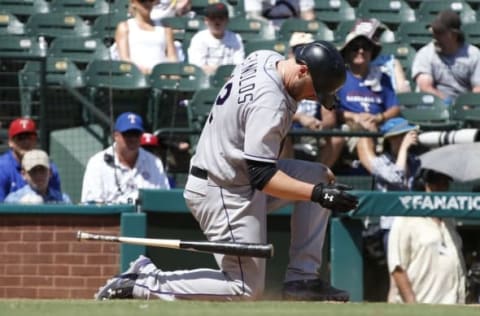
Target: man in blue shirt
<point x="22" y="137"/>
<point x="36" y="172"/>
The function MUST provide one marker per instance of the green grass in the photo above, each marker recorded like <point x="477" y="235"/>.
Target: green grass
<point x="274" y="308"/>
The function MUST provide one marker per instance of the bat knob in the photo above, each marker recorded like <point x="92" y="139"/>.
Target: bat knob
<point x="79" y="235"/>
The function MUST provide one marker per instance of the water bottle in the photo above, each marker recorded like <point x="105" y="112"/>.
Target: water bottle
<point x="43" y="45"/>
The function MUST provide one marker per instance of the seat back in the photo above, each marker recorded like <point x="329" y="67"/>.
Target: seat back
<point x="83" y="8"/>
<point x="318" y="29"/>
<point x="117" y="83"/>
<point x="79" y="50"/>
<point x="277" y="45"/>
<point x="428" y="10"/>
<point x="53" y="25"/>
<point x="172" y="84"/>
<point x="25" y="8"/>
<point x="10" y="25"/>
<point x="404" y="53"/>
<point x="105" y="25"/>
<point x="390" y="12"/>
<point x="415" y="34"/>
<point x="221" y="76"/>
<point x="334" y="12"/>
<point x="251" y="29"/>
<point x="426" y="110"/>
<point x="472" y="33"/>
<point x="344" y="27"/>
<point x="19" y="46"/>
<point x="466" y="110"/>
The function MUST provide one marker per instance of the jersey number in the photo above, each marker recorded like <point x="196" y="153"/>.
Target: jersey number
<point x="222" y="98"/>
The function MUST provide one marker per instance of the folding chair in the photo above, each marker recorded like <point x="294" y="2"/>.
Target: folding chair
<point x="280" y="46"/>
<point x="334" y="12"/>
<point x="23" y="9"/>
<point x="428" y="10"/>
<point x="390" y="12"/>
<point x="318" y="29"/>
<point x="86" y="9"/>
<point x="251" y="29"/>
<point x="53" y="25"/>
<point x="466" y="110"/>
<point x="415" y="34"/>
<point x="79" y="49"/>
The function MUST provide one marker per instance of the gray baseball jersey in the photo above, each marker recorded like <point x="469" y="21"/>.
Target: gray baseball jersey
<point x="249" y="120"/>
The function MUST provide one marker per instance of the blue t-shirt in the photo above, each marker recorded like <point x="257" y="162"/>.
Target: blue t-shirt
<point x="52" y="196"/>
<point x="11" y="175"/>
<point x="357" y="97"/>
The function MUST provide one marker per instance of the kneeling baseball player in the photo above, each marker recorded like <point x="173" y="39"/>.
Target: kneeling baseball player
<point x="236" y="178"/>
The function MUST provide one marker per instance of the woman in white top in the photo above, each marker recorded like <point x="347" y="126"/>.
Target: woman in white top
<point x="140" y="41"/>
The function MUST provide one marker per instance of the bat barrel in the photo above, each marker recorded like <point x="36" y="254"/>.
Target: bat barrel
<point x="228" y="248"/>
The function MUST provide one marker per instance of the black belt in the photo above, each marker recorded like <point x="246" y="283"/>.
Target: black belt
<point x="199" y="173"/>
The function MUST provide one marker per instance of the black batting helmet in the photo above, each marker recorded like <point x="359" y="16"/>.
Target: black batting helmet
<point x="326" y="66"/>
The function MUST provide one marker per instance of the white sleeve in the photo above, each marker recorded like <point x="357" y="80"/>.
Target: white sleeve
<point x="164" y="184"/>
<point x="197" y="53"/>
<point x="92" y="183"/>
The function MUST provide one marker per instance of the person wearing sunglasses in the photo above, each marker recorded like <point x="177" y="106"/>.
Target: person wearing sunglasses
<point x="367" y="99"/>
<point x="140" y="41"/>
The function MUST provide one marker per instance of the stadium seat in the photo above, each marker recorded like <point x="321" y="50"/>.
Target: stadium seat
<point x="426" y="110"/>
<point x="79" y="49"/>
<point x="415" y="34"/>
<point x="86" y="9"/>
<point x="466" y="110"/>
<point x="105" y="25"/>
<point x="10" y="25"/>
<point x="318" y="29"/>
<point x="277" y="45"/>
<point x="172" y="84"/>
<point x="334" y="12"/>
<point x="404" y="53"/>
<point x="472" y="33"/>
<point x="251" y="29"/>
<point x="119" y="83"/>
<point x="198" y="109"/>
<point x="25" y="8"/>
<point x="62" y="109"/>
<point x="390" y="12"/>
<point x="221" y="76"/>
<point x="53" y="25"/>
<point x="184" y="28"/>
<point x="429" y="9"/>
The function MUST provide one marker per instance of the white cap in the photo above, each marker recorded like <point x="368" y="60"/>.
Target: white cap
<point x="35" y="157"/>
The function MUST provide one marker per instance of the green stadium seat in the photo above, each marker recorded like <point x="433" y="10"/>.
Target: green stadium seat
<point x="105" y="25"/>
<point x="334" y="12"/>
<point x="119" y="83"/>
<point x="404" y="53"/>
<point x="466" y="110"/>
<point x="390" y="12"/>
<point x="79" y="49"/>
<point x="53" y="25"/>
<point x="426" y="110"/>
<point x="415" y="34"/>
<point x="472" y="33"/>
<point x="62" y="109"/>
<point x="318" y="29"/>
<point x="251" y="29"/>
<point x="10" y="25"/>
<point x="88" y="9"/>
<point x="24" y="8"/>
<point x="184" y="28"/>
<point x="429" y="9"/>
<point x="221" y="76"/>
<point x="172" y="84"/>
<point x="277" y="45"/>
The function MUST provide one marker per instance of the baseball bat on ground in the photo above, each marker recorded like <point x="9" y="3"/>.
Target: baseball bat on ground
<point x="226" y="248"/>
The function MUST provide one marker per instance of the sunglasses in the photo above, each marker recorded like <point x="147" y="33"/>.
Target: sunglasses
<point x="144" y="1"/>
<point x="355" y="46"/>
<point x="132" y="133"/>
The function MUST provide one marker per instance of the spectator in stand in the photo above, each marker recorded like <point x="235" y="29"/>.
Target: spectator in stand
<point x="447" y="66"/>
<point x="170" y="8"/>
<point x="115" y="174"/>
<point x="425" y="254"/>
<point x="37" y="172"/>
<point x="22" y="137"/>
<point x="140" y="41"/>
<point x="280" y="9"/>
<point x="215" y="45"/>
<point x="367" y="99"/>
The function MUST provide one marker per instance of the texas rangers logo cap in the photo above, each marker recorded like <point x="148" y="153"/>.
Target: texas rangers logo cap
<point x="129" y="121"/>
<point x="20" y="126"/>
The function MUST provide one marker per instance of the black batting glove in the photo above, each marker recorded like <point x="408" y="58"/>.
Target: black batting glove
<point x="334" y="197"/>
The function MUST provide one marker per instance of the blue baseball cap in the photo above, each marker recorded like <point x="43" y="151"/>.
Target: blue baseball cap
<point x="396" y="126"/>
<point x="129" y="121"/>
